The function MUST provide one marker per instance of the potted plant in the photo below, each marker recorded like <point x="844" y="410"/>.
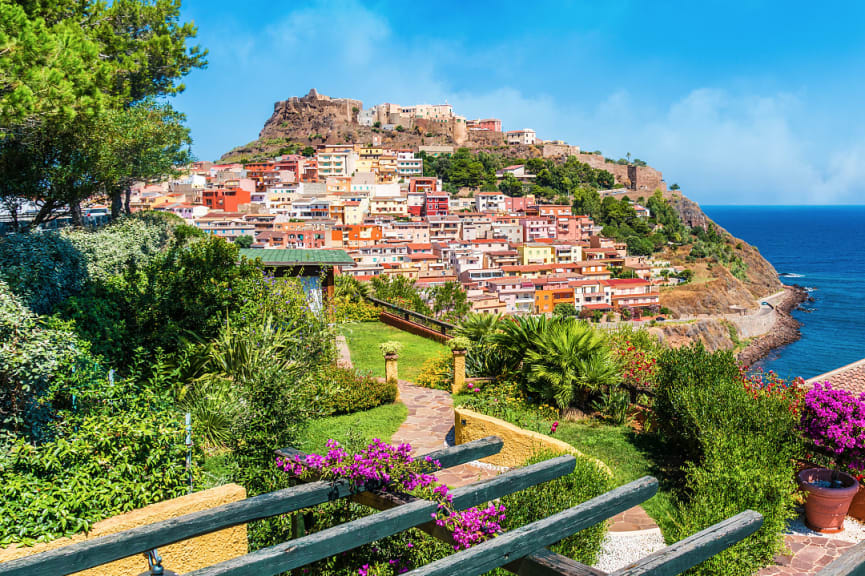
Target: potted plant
<point x="834" y="421"/>
<point x="459" y="344"/>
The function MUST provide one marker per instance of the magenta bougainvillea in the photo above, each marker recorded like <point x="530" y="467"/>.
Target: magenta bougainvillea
<point x="834" y="420"/>
<point x="384" y="466"/>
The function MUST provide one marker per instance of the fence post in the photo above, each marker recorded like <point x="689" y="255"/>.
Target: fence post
<point x="390" y="367"/>
<point x="459" y="371"/>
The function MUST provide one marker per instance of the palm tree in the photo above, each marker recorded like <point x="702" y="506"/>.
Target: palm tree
<point x="478" y="327"/>
<point x="568" y="360"/>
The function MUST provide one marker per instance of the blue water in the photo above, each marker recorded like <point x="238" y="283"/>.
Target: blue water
<point x="825" y="245"/>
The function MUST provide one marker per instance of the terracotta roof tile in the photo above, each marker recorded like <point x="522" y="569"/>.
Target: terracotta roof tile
<point x="850" y="377"/>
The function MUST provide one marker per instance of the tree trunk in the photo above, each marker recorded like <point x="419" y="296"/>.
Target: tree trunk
<point x="128" y="210"/>
<point x="116" y="204"/>
<point x="75" y="213"/>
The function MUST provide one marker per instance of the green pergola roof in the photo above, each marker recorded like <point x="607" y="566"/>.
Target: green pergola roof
<point x="285" y="257"/>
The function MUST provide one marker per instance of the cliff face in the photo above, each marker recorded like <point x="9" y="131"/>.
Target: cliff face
<point x="714" y="334"/>
<point x="715" y="290"/>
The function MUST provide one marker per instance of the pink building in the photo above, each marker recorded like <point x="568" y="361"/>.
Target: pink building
<point x="487" y="124"/>
<point x="535" y="229"/>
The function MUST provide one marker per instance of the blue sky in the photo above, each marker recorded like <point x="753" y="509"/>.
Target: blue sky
<point x="760" y="103"/>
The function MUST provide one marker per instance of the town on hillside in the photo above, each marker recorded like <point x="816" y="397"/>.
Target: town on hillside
<point x="511" y="254"/>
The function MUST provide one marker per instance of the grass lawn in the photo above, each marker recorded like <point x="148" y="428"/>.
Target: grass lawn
<point x="354" y="430"/>
<point x="364" y="337"/>
<point x="629" y="455"/>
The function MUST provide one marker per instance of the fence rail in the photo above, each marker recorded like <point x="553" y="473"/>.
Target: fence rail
<point x="521" y="551"/>
<point x="445" y="328"/>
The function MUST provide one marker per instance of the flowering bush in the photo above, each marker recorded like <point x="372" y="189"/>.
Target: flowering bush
<point x="383" y="466"/>
<point x="437" y="372"/>
<point x="639" y="367"/>
<point x="762" y="384"/>
<point x="835" y="421"/>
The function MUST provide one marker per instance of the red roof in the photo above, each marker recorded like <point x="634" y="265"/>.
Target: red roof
<point x="598" y="306"/>
<point x="626" y="282"/>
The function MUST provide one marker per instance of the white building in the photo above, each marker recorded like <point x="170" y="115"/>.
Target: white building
<point x="336" y="163"/>
<point x="526" y="136"/>
<point x="407" y="165"/>
<point x="490" y="202"/>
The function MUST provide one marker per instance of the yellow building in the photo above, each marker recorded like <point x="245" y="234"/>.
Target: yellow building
<point x="534" y="253"/>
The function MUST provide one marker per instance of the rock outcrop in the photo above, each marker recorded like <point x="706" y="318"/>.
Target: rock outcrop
<point x="713" y="333"/>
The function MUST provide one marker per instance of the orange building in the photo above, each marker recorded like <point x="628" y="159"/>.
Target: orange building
<point x="547" y="298"/>
<point x="227" y="199"/>
<point x="357" y="235"/>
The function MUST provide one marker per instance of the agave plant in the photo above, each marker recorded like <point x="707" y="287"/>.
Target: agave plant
<point x="568" y="360"/>
<point x="221" y="369"/>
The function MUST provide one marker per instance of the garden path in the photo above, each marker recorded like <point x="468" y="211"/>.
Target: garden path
<point x="429" y="422"/>
<point x="343" y="351"/>
<point x="810" y="555"/>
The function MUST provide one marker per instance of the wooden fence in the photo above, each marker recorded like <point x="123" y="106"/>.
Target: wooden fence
<point x="521" y="551"/>
<point x="429" y="327"/>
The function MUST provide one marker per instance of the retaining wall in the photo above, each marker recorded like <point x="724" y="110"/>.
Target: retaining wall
<point x="413" y="327"/>
<point x="181" y="557"/>
<point x="519" y="444"/>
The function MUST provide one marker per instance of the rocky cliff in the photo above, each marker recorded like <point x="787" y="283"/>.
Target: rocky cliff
<point x="715" y="290"/>
<point x="714" y="334"/>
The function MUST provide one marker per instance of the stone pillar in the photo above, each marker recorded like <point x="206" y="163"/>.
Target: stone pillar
<point x="459" y="371"/>
<point x="390" y="369"/>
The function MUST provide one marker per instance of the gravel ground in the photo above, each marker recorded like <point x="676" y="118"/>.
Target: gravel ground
<point x="622" y="548"/>
<point x="854" y="531"/>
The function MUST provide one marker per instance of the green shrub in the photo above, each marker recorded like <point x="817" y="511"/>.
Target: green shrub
<point x="351" y="392"/>
<point x="587" y="481"/>
<point x="738" y="450"/>
<point x="346" y="310"/>
<point x="437" y="372"/>
<point x="123" y="448"/>
<point x="45" y="269"/>
<point x="36" y="354"/>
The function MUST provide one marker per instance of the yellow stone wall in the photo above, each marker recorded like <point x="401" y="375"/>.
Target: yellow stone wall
<point x="519" y="444"/>
<point x="181" y="557"/>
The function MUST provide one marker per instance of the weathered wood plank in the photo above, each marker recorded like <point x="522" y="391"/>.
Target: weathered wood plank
<point x="689" y="552"/>
<point x="547" y="563"/>
<point x="541" y="563"/>
<point x="452" y="456"/>
<point x="523" y="541"/>
<point x="850" y="563"/>
<point x="83" y="555"/>
<point x="302" y="551"/>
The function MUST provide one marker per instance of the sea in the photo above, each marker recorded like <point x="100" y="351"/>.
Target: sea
<point x="821" y="248"/>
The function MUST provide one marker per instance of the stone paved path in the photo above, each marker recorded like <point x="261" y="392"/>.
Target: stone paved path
<point x="810" y="555"/>
<point x="430" y="419"/>
<point x="344" y="353"/>
<point x="631" y="520"/>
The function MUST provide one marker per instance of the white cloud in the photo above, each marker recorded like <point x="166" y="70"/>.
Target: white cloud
<point x="720" y="145"/>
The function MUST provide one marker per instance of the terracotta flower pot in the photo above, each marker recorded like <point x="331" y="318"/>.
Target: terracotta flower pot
<point x="826" y="507"/>
<point x="857" y="506"/>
